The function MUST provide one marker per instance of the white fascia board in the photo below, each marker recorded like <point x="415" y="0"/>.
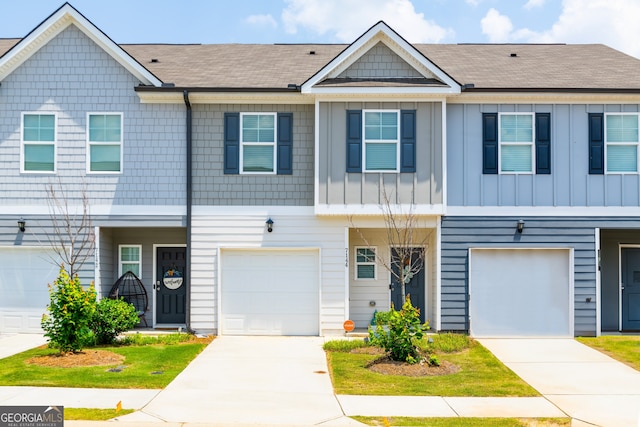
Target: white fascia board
<point x="252" y="210"/>
<point x="379" y="32"/>
<point x="330" y="210"/>
<point x="54" y="25"/>
<point x="398" y="91"/>
<point x="195" y="97"/>
<point x="543" y="98"/>
<point x="576" y="211"/>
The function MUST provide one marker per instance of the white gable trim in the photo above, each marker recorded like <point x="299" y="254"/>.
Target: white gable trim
<point x="380" y="32"/>
<point x="54" y="25"/>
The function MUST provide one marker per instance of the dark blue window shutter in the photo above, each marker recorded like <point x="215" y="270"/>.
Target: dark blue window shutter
<point x="543" y="143"/>
<point x="285" y="144"/>
<point x="490" y="143"/>
<point x="596" y="143"/>
<point x="231" y="143"/>
<point x="354" y="141"/>
<point x="408" y="141"/>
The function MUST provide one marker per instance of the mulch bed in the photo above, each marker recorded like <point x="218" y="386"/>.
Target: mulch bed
<point x="82" y="358"/>
<point x="386" y="366"/>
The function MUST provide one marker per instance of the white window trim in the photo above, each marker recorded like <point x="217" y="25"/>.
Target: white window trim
<point x="90" y="143"/>
<point x="607" y="143"/>
<point x="274" y="143"/>
<point x="54" y="142"/>
<point x="374" y="263"/>
<point x="382" y="141"/>
<point x="532" y="144"/>
<point x="120" y="247"/>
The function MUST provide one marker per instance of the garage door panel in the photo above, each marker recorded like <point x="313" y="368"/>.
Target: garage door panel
<point x="270" y="292"/>
<point x="520" y="292"/>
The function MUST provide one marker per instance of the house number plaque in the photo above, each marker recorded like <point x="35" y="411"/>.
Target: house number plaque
<point x="172" y="279"/>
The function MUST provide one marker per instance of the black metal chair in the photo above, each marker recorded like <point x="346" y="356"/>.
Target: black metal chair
<point x="130" y="288"/>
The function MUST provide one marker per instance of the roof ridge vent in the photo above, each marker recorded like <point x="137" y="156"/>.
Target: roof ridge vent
<point x="514" y="55"/>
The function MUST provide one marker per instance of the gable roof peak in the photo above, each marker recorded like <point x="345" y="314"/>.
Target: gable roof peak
<point x="57" y="22"/>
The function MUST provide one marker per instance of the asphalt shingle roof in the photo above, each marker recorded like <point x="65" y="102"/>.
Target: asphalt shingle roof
<point x="588" y="67"/>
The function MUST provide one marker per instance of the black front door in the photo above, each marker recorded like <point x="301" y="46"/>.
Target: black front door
<point x="171" y="286"/>
<point x="415" y="287"/>
<point x="630" y="289"/>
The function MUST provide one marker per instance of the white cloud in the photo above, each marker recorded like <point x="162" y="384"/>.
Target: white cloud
<point x="496" y="26"/>
<point x="262" y="20"/>
<point x="610" y="22"/>
<point x="472" y="2"/>
<point x="348" y="19"/>
<point x="534" y="3"/>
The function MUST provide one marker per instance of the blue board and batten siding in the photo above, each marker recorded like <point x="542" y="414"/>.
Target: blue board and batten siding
<point x="568" y="184"/>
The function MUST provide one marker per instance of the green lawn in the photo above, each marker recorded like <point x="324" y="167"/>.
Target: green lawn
<point x="465" y="422"/>
<point x="92" y="414"/>
<point x="481" y="374"/>
<point x="145" y="366"/>
<point x="626" y="349"/>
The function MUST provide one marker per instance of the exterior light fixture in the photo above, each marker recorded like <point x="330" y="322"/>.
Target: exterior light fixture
<point x="269" y="225"/>
<point x="21" y="224"/>
<point x="520" y="225"/>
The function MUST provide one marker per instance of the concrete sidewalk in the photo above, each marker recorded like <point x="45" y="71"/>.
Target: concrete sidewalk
<point x="586" y="384"/>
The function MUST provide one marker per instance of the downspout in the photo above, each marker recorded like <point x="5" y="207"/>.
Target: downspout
<point x="189" y="201"/>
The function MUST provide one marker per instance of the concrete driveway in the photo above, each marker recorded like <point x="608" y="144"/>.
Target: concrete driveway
<point x="587" y="385"/>
<point x="251" y="380"/>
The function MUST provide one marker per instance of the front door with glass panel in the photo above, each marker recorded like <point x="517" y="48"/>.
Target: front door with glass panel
<point x="414" y="288"/>
<point x="171" y="286"/>
<point x="630" y="287"/>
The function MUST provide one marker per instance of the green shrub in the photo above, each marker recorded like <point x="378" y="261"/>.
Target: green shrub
<point x="343" y="346"/>
<point x="71" y="309"/>
<point x="401" y="333"/>
<point x="111" y="318"/>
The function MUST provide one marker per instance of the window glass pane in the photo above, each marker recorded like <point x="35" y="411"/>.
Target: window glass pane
<point x="365" y="255"/>
<point x="366" y="272"/>
<point x="39" y="127"/>
<point x="129" y="253"/>
<point x="258" y="128"/>
<point x="39" y="157"/>
<point x="381" y="125"/>
<point x="622" y="128"/>
<point x="134" y="268"/>
<point x="257" y="158"/>
<point x="381" y="156"/>
<point x="516" y="128"/>
<point x="622" y="158"/>
<point x="105" y="158"/>
<point x="515" y="158"/>
<point x="104" y="128"/>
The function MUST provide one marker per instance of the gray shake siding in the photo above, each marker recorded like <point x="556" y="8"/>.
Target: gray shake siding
<point x="71" y="76"/>
<point x="461" y="233"/>
<point x="211" y="187"/>
<point x="569" y="183"/>
<point x="337" y="187"/>
<point x="380" y="62"/>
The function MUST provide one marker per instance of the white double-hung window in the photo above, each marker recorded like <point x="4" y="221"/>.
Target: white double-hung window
<point x="381" y="140"/>
<point x="104" y="142"/>
<point x="130" y="259"/>
<point x="365" y="263"/>
<point x="38" y="143"/>
<point x="258" y="143"/>
<point x="621" y="142"/>
<point x="516" y="136"/>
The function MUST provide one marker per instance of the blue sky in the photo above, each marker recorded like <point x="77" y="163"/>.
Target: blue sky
<point x="612" y="22"/>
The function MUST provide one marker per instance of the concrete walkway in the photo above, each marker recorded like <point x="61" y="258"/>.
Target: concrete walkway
<point x="589" y="386"/>
<point x="284" y="381"/>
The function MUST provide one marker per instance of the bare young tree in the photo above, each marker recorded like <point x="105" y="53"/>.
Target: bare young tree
<point x="72" y="236"/>
<point x="405" y="236"/>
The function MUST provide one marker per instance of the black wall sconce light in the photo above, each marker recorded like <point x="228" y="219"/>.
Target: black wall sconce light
<point x="269" y="225"/>
<point x="520" y="225"/>
<point x="21" y="224"/>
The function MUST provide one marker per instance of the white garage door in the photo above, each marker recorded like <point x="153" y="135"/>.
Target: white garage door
<point x="24" y="294"/>
<point x="270" y="292"/>
<point x="521" y="293"/>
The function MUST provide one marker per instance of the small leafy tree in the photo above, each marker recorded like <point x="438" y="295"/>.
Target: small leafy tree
<point x="398" y="332"/>
<point x="111" y="318"/>
<point x="70" y="312"/>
